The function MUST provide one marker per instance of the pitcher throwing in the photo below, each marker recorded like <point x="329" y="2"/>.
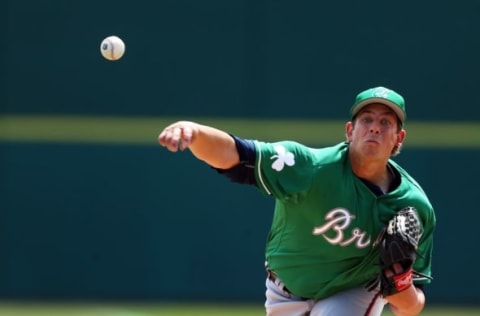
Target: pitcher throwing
<point x="351" y="231"/>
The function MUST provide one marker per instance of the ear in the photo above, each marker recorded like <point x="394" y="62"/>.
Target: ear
<point x="401" y="136"/>
<point x="349" y="131"/>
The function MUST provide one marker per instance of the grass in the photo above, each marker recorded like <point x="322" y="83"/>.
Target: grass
<point x="181" y="309"/>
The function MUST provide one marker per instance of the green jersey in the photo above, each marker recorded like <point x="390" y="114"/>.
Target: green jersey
<point x="326" y="219"/>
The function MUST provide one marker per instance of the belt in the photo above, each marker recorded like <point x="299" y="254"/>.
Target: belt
<point x="272" y="276"/>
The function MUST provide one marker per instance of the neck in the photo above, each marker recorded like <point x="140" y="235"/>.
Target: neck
<point x="374" y="171"/>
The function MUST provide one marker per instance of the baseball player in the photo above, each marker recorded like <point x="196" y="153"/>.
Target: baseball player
<point x="352" y="230"/>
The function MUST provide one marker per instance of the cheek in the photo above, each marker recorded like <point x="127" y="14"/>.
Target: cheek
<point x="395" y="139"/>
<point x="355" y="134"/>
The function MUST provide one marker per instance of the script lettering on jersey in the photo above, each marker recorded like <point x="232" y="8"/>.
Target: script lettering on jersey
<point x="338" y="221"/>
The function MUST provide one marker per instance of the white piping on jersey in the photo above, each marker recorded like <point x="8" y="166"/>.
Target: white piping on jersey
<point x="259" y="169"/>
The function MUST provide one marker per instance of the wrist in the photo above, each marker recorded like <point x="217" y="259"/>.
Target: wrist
<point x="409" y="302"/>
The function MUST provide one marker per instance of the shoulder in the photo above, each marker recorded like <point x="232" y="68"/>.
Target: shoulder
<point x="407" y="179"/>
<point x="413" y="194"/>
<point x="287" y="169"/>
<point x="301" y="151"/>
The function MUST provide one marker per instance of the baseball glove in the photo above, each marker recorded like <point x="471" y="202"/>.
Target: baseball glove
<point x="398" y="244"/>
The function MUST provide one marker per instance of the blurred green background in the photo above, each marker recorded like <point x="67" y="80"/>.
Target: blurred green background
<point x="93" y="210"/>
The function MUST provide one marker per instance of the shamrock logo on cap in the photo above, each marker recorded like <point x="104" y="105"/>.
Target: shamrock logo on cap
<point x="381" y="93"/>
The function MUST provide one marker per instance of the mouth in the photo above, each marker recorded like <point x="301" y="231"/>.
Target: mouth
<point x="372" y="141"/>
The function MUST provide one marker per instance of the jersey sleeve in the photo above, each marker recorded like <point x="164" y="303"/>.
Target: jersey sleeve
<point x="423" y="262"/>
<point x="284" y="169"/>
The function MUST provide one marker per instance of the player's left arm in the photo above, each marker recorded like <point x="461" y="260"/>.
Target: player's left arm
<point x="409" y="302"/>
<point x="406" y="251"/>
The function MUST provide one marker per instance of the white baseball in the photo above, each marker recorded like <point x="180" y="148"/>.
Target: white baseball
<point x="112" y="47"/>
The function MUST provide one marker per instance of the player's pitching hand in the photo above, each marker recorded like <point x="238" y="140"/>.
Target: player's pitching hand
<point x="178" y="136"/>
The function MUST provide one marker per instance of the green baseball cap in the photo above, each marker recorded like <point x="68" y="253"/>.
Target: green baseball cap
<point x="383" y="96"/>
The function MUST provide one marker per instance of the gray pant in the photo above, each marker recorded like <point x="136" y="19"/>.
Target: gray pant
<point x="354" y="302"/>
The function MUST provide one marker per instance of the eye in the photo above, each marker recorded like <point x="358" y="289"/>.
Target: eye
<point x="385" y="122"/>
<point x="366" y="119"/>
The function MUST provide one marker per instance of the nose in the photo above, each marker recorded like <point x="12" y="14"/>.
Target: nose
<point x="375" y="129"/>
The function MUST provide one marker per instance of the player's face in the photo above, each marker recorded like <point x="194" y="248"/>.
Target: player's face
<point x="375" y="131"/>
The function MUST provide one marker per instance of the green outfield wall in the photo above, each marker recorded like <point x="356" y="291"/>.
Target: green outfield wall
<point x="92" y="208"/>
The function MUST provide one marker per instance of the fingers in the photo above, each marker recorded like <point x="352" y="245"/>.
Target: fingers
<point x="396" y="269"/>
<point x="176" y="137"/>
<point x="186" y="139"/>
